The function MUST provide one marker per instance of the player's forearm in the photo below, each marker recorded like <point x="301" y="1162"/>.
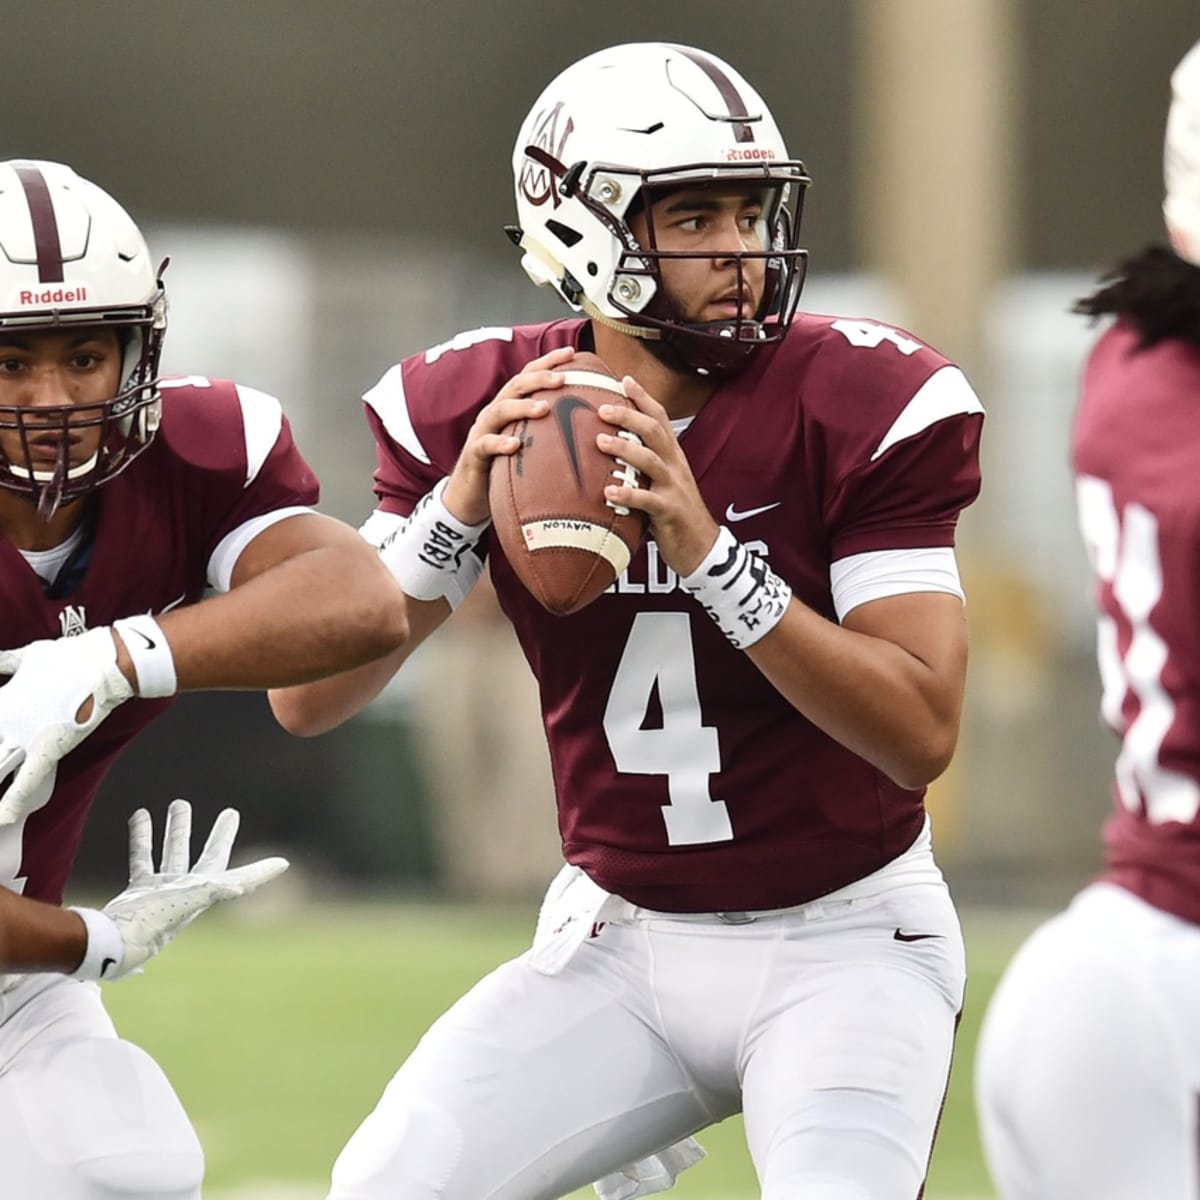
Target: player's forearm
<point x="315" y="708"/>
<point x="327" y="609"/>
<point x="876" y="698"/>
<point x="309" y="709"/>
<point x="39" y="937"/>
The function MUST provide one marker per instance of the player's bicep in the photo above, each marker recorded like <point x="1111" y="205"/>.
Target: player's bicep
<point x="929" y="626"/>
<point x="299" y="532"/>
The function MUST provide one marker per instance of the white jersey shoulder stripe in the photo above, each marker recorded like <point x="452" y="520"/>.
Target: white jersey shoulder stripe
<point x="390" y="404"/>
<point x="877" y="574"/>
<point x="229" y="548"/>
<point x="946" y="393"/>
<point x="262" y="419"/>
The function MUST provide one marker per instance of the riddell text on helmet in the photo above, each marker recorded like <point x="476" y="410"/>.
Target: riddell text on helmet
<point x="53" y="296"/>
<point x="749" y="153"/>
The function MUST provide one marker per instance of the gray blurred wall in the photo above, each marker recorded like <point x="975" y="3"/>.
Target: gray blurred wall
<point x="399" y="116"/>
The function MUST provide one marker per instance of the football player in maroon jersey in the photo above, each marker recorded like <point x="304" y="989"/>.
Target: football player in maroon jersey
<point x="123" y="499"/>
<point x="741" y="730"/>
<point x="1088" y="1069"/>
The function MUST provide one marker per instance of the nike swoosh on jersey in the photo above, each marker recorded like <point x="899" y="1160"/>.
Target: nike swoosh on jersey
<point x="913" y="937"/>
<point x="732" y="514"/>
<point x="564" y="409"/>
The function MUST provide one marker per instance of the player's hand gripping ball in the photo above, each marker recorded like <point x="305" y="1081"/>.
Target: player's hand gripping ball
<point x="565" y="542"/>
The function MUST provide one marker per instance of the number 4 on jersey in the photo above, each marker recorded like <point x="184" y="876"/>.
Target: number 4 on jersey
<point x="870" y="334"/>
<point x="659" y="655"/>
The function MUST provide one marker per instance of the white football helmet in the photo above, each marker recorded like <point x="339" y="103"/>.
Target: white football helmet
<point x="652" y="115"/>
<point x="71" y="255"/>
<point x="1181" y="159"/>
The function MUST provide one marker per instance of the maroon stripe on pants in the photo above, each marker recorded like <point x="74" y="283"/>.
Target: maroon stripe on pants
<point x="941" y="1107"/>
<point x="1198" y="1143"/>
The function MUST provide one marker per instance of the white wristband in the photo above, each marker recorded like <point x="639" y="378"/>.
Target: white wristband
<point x="105" y="950"/>
<point x="151" y="654"/>
<point x="738" y="590"/>
<point x="430" y="551"/>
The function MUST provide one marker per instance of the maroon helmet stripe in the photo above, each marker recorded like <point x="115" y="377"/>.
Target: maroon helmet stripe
<point x="45" y="224"/>
<point x="742" y="131"/>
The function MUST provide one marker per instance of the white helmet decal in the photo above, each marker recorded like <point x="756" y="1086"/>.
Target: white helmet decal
<point x="538" y="180"/>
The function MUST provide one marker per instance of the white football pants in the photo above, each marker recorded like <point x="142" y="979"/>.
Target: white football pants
<point x="84" y="1115"/>
<point x="1087" y="1075"/>
<point x="832" y="1034"/>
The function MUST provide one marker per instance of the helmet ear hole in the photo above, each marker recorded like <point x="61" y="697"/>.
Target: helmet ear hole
<point x="565" y="234"/>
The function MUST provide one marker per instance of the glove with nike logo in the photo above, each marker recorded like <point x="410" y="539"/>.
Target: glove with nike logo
<point x="137" y="924"/>
<point x="59" y="691"/>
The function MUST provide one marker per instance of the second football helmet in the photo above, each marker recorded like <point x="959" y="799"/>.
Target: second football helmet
<point x="70" y="255"/>
<point x="1181" y="158"/>
<point x="652" y="116"/>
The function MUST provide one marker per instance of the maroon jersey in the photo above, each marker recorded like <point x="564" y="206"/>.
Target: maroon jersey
<point x="219" y="460"/>
<point x="685" y="781"/>
<point x="1136" y="455"/>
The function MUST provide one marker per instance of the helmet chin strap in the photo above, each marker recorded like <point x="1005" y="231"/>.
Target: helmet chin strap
<point x="638" y="331"/>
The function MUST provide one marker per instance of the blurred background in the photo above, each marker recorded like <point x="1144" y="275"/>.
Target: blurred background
<point x="330" y="183"/>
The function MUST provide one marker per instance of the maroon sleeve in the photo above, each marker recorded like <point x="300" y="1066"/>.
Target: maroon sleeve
<point x="229" y="456"/>
<point x="911" y="496"/>
<point x="401" y="478"/>
<point x="896" y="428"/>
<point x="422" y="409"/>
<point x="284" y="480"/>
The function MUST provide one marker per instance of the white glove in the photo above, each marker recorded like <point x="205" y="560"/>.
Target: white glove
<point x="656" y="1173"/>
<point x="50" y="681"/>
<point x="138" y="923"/>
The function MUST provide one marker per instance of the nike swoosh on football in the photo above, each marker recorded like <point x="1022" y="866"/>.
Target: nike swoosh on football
<point x="913" y="937"/>
<point x="563" y="411"/>
<point x="732" y="514"/>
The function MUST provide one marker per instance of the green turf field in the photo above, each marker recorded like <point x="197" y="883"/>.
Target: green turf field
<point x="280" y="1031"/>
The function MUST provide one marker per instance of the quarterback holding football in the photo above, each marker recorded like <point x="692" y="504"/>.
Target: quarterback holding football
<point x="741" y="724"/>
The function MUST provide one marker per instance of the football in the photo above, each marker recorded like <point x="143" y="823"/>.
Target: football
<point x="565" y="542"/>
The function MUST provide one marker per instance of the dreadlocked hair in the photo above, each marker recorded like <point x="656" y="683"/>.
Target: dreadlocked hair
<point x="1157" y="290"/>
